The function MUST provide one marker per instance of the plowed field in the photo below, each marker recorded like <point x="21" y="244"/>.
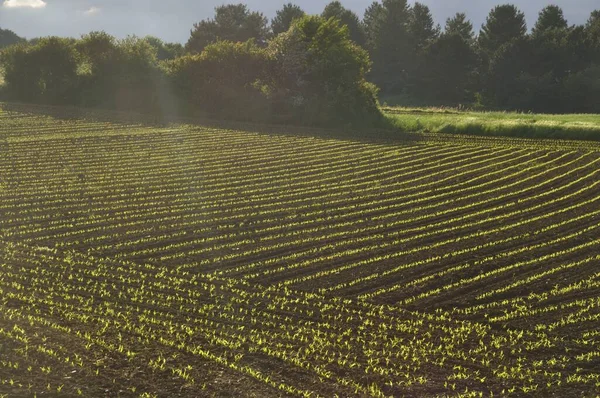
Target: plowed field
<point x="194" y="261"/>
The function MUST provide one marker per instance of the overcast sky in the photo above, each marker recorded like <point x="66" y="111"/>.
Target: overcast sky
<point x="171" y="20"/>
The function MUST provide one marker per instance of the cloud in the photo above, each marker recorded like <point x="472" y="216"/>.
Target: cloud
<point x="92" y="11"/>
<point x="24" y="3"/>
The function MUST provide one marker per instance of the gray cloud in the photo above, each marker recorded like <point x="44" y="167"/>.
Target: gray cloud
<point x="172" y="20"/>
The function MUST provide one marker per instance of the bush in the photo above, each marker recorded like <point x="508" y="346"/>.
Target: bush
<point x="224" y="81"/>
<point x="123" y="75"/>
<point x="319" y="75"/>
<point x="43" y="73"/>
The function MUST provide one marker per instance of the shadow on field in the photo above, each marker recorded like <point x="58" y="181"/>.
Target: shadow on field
<point x="370" y="135"/>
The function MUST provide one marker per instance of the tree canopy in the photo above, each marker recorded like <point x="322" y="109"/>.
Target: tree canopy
<point x="8" y="38"/>
<point x="551" y="17"/>
<point x="232" y="22"/>
<point x="335" y="9"/>
<point x="284" y="18"/>
<point x="422" y="27"/>
<point x="504" y="24"/>
<point x="459" y="25"/>
<point x="318" y="69"/>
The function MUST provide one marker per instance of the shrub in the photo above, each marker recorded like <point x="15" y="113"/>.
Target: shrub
<point x="45" y="72"/>
<point x="223" y="81"/>
<point x="122" y="75"/>
<point x="319" y="75"/>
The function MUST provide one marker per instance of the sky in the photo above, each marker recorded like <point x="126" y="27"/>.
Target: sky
<point x="171" y="20"/>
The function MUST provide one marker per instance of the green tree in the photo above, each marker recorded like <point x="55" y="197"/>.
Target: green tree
<point x="593" y="25"/>
<point x="505" y="23"/>
<point x="582" y="90"/>
<point x="461" y="26"/>
<point x="284" y="18"/>
<point x="223" y="81"/>
<point x="447" y="72"/>
<point x="165" y="51"/>
<point x="46" y="72"/>
<point x="504" y="87"/>
<point x="335" y="9"/>
<point x="592" y="28"/>
<point x="121" y="74"/>
<point x="580" y="52"/>
<point x="19" y="72"/>
<point x="422" y="27"/>
<point x="372" y="20"/>
<point x="551" y="17"/>
<point x="8" y="38"/>
<point x="319" y="75"/>
<point x="391" y="47"/>
<point x="233" y="22"/>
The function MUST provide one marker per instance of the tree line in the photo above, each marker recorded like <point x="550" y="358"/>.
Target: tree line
<point x="325" y="69"/>
<point x="553" y="68"/>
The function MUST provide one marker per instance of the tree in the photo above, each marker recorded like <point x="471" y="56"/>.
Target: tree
<point x="121" y="74"/>
<point x="505" y="23"/>
<point x="319" y="75"/>
<point x="347" y="18"/>
<point x="164" y="51"/>
<point x="447" y="71"/>
<point x="284" y="18"/>
<point x="223" y="81"/>
<point x="392" y="47"/>
<point x="46" y="72"/>
<point x="592" y="28"/>
<point x="233" y="22"/>
<point x="56" y="62"/>
<point x="503" y="85"/>
<point x="422" y="27"/>
<point x="582" y="90"/>
<point x="8" y="38"/>
<point x="593" y="25"/>
<point x="551" y="17"/>
<point x="372" y="20"/>
<point x="459" y="25"/>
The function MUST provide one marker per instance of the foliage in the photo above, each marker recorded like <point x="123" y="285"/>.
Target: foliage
<point x="284" y="18"/>
<point x="46" y="72"/>
<point x="223" y="81"/>
<point x="391" y="45"/>
<point x="122" y="74"/>
<point x="582" y="89"/>
<point x="461" y="26"/>
<point x="550" y="18"/>
<point x="335" y="9"/>
<point x="592" y="28"/>
<point x="8" y="38"/>
<point x="503" y="87"/>
<point x="233" y="22"/>
<point x="422" y="27"/>
<point x="165" y="51"/>
<point x="447" y="71"/>
<point x="319" y="74"/>
<point x="504" y="24"/>
<point x="409" y="60"/>
<point x="372" y="19"/>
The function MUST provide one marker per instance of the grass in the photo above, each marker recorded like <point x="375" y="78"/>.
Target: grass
<point x="507" y="124"/>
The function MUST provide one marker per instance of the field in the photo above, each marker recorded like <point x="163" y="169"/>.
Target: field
<point x="164" y="261"/>
<point x="506" y="124"/>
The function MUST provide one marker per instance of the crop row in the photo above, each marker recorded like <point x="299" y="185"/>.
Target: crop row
<point x="358" y="348"/>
